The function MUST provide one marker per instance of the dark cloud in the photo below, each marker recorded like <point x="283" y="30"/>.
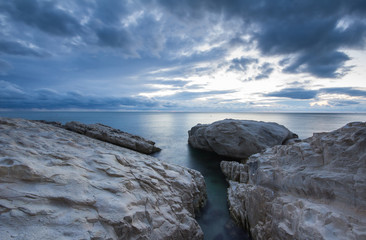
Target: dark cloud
<point x="346" y="91"/>
<point x="113" y="37"/>
<point x="294" y="93"/>
<point x="109" y="12"/>
<point x="310" y="30"/>
<point x="313" y="35"/>
<point x="4" y="66"/>
<point x="174" y="83"/>
<point x="242" y="64"/>
<point x="13" y="97"/>
<point x="112" y="45"/>
<point x="20" y="48"/>
<point x="343" y="103"/>
<point x="325" y="65"/>
<point x="313" y="32"/>
<point x="44" y="15"/>
<point x="302" y="93"/>
<point x="189" y="95"/>
<point x="265" y="70"/>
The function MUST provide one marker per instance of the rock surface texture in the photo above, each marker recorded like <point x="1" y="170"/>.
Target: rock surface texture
<point x="238" y="138"/>
<point x="115" y="136"/>
<point x="56" y="184"/>
<point x="314" y="189"/>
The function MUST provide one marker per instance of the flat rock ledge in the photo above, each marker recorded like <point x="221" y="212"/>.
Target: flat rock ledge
<point x="112" y="135"/>
<point x="238" y="138"/>
<point x="56" y="184"/>
<point x="314" y="189"/>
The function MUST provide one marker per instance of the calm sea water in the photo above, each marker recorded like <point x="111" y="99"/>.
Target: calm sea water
<point x="169" y="131"/>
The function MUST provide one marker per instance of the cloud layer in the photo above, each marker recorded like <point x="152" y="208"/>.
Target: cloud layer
<point x="177" y="51"/>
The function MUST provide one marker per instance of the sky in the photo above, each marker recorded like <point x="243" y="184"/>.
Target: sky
<point x="186" y="55"/>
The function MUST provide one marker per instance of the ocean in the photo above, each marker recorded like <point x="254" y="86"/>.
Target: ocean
<point x="170" y="132"/>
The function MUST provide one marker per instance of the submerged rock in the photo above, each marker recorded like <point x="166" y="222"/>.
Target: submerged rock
<point x="115" y="136"/>
<point x="238" y="138"/>
<point x="314" y="189"/>
<point x="56" y="184"/>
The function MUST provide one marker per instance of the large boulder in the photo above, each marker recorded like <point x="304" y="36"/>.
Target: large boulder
<point x="238" y="138"/>
<point x="314" y="189"/>
<point x="56" y="184"/>
<point x="115" y="136"/>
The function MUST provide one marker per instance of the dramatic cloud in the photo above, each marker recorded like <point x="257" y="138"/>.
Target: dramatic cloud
<point x="294" y="93"/>
<point x="189" y="95"/>
<point x="312" y="31"/>
<point x="265" y="70"/>
<point x="44" y="15"/>
<point x="19" y="48"/>
<point x="346" y="91"/>
<point x="301" y="93"/>
<point x="181" y="51"/>
<point x="13" y="97"/>
<point x="241" y="64"/>
<point x="111" y="37"/>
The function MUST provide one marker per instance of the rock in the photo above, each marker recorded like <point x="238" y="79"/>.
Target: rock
<point x="56" y="124"/>
<point x="56" y="184"/>
<point x="314" y="189"/>
<point x="238" y="138"/>
<point x="115" y="136"/>
<point x="234" y="171"/>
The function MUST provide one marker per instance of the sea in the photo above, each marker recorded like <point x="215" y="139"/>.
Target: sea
<point x="170" y="132"/>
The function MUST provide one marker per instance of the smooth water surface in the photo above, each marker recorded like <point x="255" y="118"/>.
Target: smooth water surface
<point x="169" y="131"/>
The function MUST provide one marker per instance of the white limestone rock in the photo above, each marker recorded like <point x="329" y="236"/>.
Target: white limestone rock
<point x="56" y="184"/>
<point x="314" y="189"/>
<point x="238" y="138"/>
<point x="115" y="136"/>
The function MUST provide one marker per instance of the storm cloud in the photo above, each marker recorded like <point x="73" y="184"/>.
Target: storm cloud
<point x="314" y="32"/>
<point x="146" y="48"/>
<point x="44" y="15"/>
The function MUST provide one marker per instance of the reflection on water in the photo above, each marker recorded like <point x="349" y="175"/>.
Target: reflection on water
<point x="169" y="131"/>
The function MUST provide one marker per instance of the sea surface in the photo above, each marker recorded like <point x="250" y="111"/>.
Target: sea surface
<point x="169" y="131"/>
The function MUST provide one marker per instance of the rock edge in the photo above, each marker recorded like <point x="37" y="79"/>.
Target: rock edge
<point x="111" y="135"/>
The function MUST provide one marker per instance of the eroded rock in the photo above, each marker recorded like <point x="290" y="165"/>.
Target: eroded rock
<point x="56" y="184"/>
<point x="115" y="136"/>
<point x="314" y="189"/>
<point x="238" y="138"/>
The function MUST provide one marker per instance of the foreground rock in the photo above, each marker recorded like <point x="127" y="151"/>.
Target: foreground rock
<point x="56" y="184"/>
<point x="315" y="189"/>
<point x="238" y="138"/>
<point x="115" y="136"/>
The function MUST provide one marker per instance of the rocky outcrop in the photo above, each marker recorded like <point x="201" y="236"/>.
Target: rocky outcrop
<point x="314" y="189"/>
<point x="238" y="138"/>
<point x="56" y="184"/>
<point x="115" y="136"/>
